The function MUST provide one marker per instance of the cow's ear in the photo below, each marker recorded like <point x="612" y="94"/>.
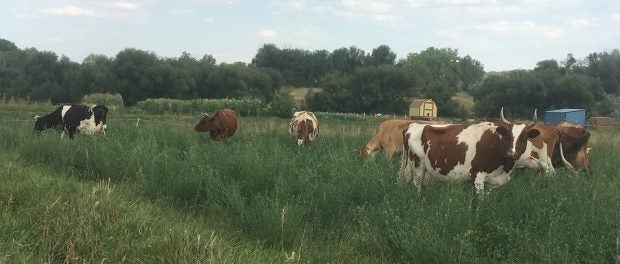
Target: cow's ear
<point x="532" y="133"/>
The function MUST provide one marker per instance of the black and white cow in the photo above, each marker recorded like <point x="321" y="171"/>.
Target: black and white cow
<point x="74" y="119"/>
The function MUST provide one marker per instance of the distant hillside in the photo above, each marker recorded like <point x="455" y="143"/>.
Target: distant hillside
<point x="464" y="99"/>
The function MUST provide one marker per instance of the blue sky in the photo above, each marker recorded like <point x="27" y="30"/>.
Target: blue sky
<point x="502" y="35"/>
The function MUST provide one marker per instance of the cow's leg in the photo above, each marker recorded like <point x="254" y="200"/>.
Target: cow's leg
<point x="479" y="182"/>
<point x="405" y="172"/>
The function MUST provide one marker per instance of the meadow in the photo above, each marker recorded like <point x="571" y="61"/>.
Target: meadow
<point x="155" y="191"/>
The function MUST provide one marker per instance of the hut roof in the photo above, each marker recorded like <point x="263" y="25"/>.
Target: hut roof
<point x="418" y="102"/>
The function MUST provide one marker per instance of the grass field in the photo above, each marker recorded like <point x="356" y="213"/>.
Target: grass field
<point x="161" y="193"/>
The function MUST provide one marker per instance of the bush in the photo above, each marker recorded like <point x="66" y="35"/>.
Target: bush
<point x="107" y="99"/>
<point x="282" y="106"/>
<point x="243" y="107"/>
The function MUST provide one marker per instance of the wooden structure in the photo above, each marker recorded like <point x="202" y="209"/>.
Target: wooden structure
<point x="574" y="116"/>
<point x="423" y="109"/>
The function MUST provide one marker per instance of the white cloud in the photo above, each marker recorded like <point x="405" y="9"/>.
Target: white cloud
<point x="210" y="20"/>
<point x="615" y="15"/>
<point x="69" y="11"/>
<point x="579" y="23"/>
<point x="125" y="5"/>
<point x="519" y="26"/>
<point x="268" y="33"/>
<point x="292" y="6"/>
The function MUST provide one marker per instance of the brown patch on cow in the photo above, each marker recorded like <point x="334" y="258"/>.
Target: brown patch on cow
<point x="491" y="152"/>
<point x="222" y="125"/>
<point x="304" y="129"/>
<point x="549" y="135"/>
<point x="444" y="152"/>
<point x="535" y="155"/>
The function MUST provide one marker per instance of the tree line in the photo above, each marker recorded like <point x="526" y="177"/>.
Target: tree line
<point x="351" y="80"/>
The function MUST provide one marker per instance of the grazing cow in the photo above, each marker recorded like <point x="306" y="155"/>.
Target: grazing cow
<point x="389" y="138"/>
<point x="544" y="151"/>
<point x="539" y="150"/>
<point x="573" y="148"/>
<point x="304" y="126"/>
<point x="483" y="153"/>
<point x="74" y="119"/>
<point x="222" y="125"/>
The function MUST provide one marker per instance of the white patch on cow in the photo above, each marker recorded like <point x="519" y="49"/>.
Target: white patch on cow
<point x="64" y="110"/>
<point x="516" y="131"/>
<point x="470" y="136"/>
<point x="88" y="126"/>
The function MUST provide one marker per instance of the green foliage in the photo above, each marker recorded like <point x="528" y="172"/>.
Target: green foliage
<point x="439" y="73"/>
<point x="369" y="89"/>
<point x="103" y="99"/>
<point x="282" y="106"/>
<point x="244" y="107"/>
<point x="544" y="88"/>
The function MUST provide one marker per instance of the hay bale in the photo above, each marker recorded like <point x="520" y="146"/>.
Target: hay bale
<point x="603" y="123"/>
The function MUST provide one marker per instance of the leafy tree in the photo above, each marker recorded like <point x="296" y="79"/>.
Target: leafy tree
<point x="97" y="74"/>
<point x="439" y="73"/>
<point x="131" y="67"/>
<point x="381" y="55"/>
<point x="345" y="60"/>
<point x="606" y="67"/>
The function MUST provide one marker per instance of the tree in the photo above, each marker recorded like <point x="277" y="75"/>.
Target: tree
<point x="381" y="55"/>
<point x="345" y="60"/>
<point x="97" y="74"/>
<point x="438" y="73"/>
<point x="130" y="68"/>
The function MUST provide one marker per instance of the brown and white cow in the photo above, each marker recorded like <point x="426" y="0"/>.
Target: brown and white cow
<point x="539" y="150"/>
<point x="222" y="125"/>
<point x="573" y="150"/>
<point x="482" y="153"/>
<point x="543" y="152"/>
<point x="305" y="126"/>
<point x="389" y="138"/>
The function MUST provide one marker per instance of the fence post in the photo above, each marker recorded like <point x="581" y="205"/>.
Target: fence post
<point x="137" y="122"/>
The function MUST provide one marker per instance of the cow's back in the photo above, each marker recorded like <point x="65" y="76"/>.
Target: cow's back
<point x="305" y="126"/>
<point x="225" y="122"/>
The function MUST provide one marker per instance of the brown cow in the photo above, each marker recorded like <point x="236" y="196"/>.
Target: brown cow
<point x="222" y="125"/>
<point x="305" y="126"/>
<point x="483" y="153"/>
<point x="573" y="151"/>
<point x="389" y="138"/>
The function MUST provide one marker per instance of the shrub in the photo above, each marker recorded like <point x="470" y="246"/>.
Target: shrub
<point x="103" y="99"/>
<point x="244" y="106"/>
<point x="282" y="106"/>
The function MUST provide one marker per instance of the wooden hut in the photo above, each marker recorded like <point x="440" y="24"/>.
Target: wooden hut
<point x="423" y="109"/>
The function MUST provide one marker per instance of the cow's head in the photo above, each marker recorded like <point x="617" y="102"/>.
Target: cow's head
<point x="521" y="139"/>
<point x="363" y="152"/>
<point x="39" y="124"/>
<point x="204" y="124"/>
<point x="520" y="134"/>
<point x="101" y="115"/>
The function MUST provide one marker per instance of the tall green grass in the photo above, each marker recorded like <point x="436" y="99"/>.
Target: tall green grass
<point x="329" y="206"/>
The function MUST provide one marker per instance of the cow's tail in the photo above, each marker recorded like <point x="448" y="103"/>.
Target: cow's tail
<point x="566" y="163"/>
